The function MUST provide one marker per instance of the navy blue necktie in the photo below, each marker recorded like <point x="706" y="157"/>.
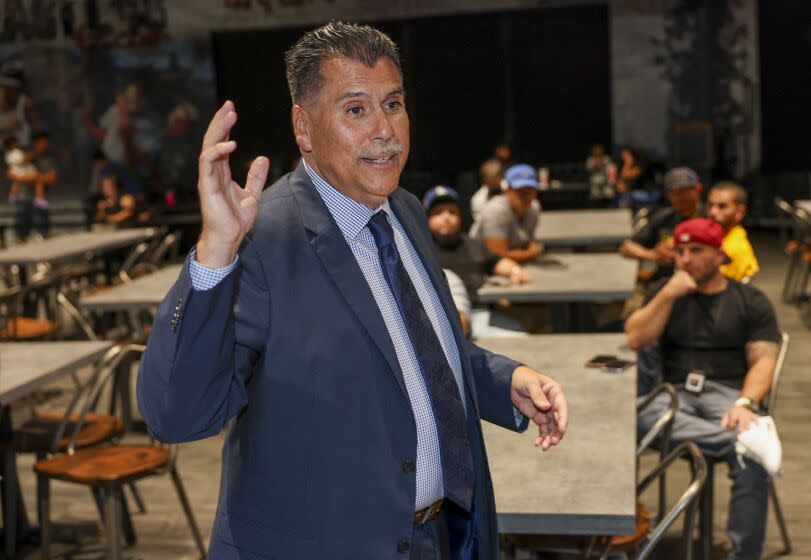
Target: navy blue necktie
<point x="446" y="399"/>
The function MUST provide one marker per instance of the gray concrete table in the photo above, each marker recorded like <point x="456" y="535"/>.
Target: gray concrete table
<point x="581" y="277"/>
<point x="583" y="228"/>
<point x="587" y="484"/>
<point x="27" y="366"/>
<point x="142" y="293"/>
<point x="24" y="368"/>
<point x="72" y="245"/>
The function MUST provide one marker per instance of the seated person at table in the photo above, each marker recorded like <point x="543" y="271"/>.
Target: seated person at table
<point x="719" y="343"/>
<point x="114" y="207"/>
<point x="457" y="252"/>
<point x="507" y="223"/>
<point x="599" y="167"/>
<point x="726" y="204"/>
<point x="654" y="242"/>
<point x="491" y="174"/>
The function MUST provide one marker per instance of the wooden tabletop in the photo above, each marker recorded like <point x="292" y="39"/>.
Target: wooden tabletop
<point x="587" y="484"/>
<point x="27" y="366"/>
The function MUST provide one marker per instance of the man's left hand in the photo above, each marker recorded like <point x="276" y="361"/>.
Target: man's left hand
<point x="738" y="417"/>
<point x="541" y="399"/>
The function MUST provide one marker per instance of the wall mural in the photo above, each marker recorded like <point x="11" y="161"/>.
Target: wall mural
<point x="106" y="76"/>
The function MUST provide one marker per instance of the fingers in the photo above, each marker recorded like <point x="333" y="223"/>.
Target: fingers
<point x="560" y="406"/>
<point x="538" y="397"/>
<point x="212" y="155"/>
<point x="257" y="176"/>
<point x="220" y="126"/>
<point x="725" y="421"/>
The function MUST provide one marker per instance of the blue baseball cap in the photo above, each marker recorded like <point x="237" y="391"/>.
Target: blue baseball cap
<point x="438" y="194"/>
<point x="521" y="176"/>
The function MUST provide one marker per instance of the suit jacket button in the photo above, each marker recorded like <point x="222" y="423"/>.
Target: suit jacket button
<point x="409" y="466"/>
<point x="403" y="547"/>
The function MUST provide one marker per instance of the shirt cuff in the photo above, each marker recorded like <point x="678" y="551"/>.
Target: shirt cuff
<point x="204" y="278"/>
<point x="519" y="418"/>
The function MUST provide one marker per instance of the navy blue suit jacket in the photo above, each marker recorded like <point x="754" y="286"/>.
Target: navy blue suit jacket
<point x="293" y="347"/>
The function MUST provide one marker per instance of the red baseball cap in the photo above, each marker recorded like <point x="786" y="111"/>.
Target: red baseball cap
<point x="699" y="230"/>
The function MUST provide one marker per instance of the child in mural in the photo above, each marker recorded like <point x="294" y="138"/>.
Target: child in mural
<point x="30" y="175"/>
<point x="22" y="174"/>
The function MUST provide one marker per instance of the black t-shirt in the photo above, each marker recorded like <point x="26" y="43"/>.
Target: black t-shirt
<point x="470" y="260"/>
<point x="709" y="333"/>
<point x="660" y="228"/>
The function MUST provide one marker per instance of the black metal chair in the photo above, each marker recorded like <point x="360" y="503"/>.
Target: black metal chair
<point x="107" y="469"/>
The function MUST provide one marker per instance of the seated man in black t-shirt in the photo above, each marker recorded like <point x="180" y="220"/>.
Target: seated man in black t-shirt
<point x="467" y="257"/>
<point x="719" y="342"/>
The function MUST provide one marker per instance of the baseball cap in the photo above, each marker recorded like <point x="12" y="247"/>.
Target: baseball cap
<point x="680" y="177"/>
<point x="699" y="230"/>
<point x="521" y="176"/>
<point x="438" y="194"/>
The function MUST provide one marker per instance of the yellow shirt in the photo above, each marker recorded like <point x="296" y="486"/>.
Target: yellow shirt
<point x="742" y="261"/>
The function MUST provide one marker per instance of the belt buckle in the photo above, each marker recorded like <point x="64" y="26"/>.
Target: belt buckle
<point x="432" y="511"/>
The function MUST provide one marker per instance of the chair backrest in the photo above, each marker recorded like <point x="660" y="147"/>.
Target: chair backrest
<point x="665" y="421"/>
<point x="36" y="298"/>
<point x="91" y="393"/>
<point x="166" y="250"/>
<point x="687" y="504"/>
<point x="9" y="305"/>
<point x="784" y="206"/>
<point x="771" y="401"/>
<point x="132" y="259"/>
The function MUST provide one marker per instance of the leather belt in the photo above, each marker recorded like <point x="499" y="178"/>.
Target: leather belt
<point x="427" y="514"/>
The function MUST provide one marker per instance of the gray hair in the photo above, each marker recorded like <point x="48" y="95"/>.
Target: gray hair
<point x="336" y="39"/>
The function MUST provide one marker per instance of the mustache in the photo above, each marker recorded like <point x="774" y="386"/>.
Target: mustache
<point x="382" y="150"/>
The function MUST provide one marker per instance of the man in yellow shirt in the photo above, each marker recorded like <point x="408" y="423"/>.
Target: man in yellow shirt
<point x="726" y="204"/>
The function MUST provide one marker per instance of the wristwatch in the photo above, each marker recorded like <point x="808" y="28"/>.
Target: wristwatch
<point x="746" y="402"/>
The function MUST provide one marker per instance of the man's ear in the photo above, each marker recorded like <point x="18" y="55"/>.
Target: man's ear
<point x="301" y="128"/>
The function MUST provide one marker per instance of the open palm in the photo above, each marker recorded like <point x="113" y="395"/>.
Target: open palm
<point x="229" y="211"/>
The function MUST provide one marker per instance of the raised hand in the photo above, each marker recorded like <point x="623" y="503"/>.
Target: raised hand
<point x="229" y="211"/>
<point x="680" y="284"/>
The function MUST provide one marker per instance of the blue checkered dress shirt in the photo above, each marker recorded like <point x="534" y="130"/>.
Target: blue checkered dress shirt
<point x="352" y="219"/>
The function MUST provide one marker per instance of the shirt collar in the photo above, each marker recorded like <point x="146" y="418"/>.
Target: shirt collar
<point x="350" y="215"/>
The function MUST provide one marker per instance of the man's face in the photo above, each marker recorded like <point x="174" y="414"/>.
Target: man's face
<point x="108" y="188"/>
<point x="700" y="261"/>
<point x="521" y="199"/>
<point x="445" y="218"/>
<point x="684" y="199"/>
<point x="724" y="209"/>
<point x="354" y="132"/>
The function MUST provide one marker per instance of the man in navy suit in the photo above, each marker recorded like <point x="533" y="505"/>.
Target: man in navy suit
<point x="316" y="316"/>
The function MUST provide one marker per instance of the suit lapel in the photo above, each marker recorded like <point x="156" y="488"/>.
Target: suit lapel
<point x="340" y="264"/>
<point x="424" y="245"/>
